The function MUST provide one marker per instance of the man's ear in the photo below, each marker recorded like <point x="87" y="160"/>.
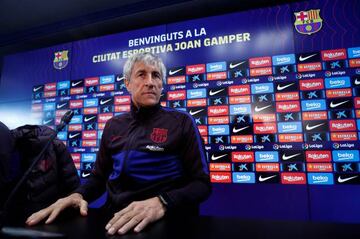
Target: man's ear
<point x="127" y="85"/>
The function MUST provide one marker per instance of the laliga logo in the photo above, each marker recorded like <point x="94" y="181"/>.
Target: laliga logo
<point x="270" y="78"/>
<point x="244" y="81"/>
<point x="336" y="145"/>
<point x="298" y="76"/>
<point x="195" y="85"/>
<point x="305" y="146"/>
<point x="357" y="71"/>
<point x="221" y="147"/>
<point x="61" y="59"/>
<point x="247" y="147"/>
<point x="218" y="83"/>
<point x="327" y="73"/>
<point x="276" y="146"/>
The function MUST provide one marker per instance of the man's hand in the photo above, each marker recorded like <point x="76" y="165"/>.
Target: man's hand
<point x="74" y="200"/>
<point x="137" y="215"/>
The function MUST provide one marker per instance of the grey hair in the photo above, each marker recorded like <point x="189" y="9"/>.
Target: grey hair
<point x="146" y="57"/>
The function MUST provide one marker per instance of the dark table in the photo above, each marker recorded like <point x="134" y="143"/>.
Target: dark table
<point x="92" y="226"/>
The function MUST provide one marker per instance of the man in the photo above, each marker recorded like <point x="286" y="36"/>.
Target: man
<point x="54" y="176"/>
<point x="8" y="163"/>
<point x="150" y="159"/>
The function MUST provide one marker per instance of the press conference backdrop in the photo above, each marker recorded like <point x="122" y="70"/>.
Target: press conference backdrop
<point x="275" y="93"/>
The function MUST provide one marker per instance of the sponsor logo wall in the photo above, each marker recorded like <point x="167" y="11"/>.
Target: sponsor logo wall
<point x="288" y="118"/>
<point x="274" y="92"/>
<point x="263" y="120"/>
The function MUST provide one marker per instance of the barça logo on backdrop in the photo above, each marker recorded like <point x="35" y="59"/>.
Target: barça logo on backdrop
<point x="159" y="135"/>
<point x="308" y="22"/>
<point x="61" y="59"/>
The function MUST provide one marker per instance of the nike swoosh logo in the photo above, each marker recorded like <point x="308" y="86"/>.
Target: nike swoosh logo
<point x="195" y="112"/>
<point x="341" y="180"/>
<point x="301" y="58"/>
<point x="88" y="119"/>
<point x="48" y="121"/>
<point x="84" y="175"/>
<point x="279" y="87"/>
<point x="37" y="88"/>
<point x="333" y="105"/>
<point x="232" y="66"/>
<point x="120" y="79"/>
<point x="73" y="135"/>
<point x="76" y="83"/>
<point x="240" y="129"/>
<point x="308" y="127"/>
<point x="357" y="82"/>
<point x="217" y="157"/>
<point x="104" y="102"/>
<point x="261" y="179"/>
<point x="60" y="106"/>
<point x="174" y="72"/>
<point x="211" y="93"/>
<point x="257" y="109"/>
<point x="284" y="157"/>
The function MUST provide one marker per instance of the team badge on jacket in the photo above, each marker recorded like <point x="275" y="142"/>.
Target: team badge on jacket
<point x="159" y="135"/>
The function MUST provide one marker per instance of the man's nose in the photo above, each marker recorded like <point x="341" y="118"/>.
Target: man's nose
<point x="149" y="80"/>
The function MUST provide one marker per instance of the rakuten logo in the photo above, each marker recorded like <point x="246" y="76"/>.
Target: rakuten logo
<point x="195" y="69"/>
<point x="338" y="54"/>
<point x="217" y="177"/>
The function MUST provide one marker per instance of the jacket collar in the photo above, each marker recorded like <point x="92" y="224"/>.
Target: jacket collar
<point x="144" y="112"/>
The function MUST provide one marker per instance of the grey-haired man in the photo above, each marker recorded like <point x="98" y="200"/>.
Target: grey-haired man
<point x="151" y="160"/>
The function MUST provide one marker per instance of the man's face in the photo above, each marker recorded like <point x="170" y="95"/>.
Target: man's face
<point x="145" y="84"/>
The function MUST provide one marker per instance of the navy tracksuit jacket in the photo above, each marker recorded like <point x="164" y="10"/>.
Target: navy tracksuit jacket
<point x="149" y="152"/>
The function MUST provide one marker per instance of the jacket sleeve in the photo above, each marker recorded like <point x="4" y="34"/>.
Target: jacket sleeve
<point x="197" y="187"/>
<point x="95" y="185"/>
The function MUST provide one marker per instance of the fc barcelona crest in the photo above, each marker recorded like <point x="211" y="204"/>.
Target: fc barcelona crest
<point x="159" y="135"/>
<point x="61" y="59"/>
<point x="308" y="22"/>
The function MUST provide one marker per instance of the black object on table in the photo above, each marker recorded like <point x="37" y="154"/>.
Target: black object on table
<point x="75" y="226"/>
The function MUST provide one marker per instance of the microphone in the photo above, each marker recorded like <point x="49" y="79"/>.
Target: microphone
<point x="12" y="231"/>
<point x="65" y="120"/>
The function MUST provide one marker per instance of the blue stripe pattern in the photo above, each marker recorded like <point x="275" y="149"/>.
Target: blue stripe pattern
<point x="147" y="167"/>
